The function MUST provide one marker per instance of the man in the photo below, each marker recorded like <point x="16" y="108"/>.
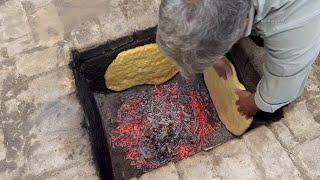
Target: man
<point x="197" y="33"/>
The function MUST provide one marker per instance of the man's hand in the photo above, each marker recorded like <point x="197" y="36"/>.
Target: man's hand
<point x="223" y="68"/>
<point x="246" y="103"/>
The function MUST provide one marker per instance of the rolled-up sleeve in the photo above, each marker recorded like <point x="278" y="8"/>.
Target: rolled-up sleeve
<point x="285" y="73"/>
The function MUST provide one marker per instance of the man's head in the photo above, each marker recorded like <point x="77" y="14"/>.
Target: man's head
<point x="195" y="33"/>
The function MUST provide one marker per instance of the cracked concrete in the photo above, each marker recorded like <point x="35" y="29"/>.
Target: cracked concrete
<point x="41" y="134"/>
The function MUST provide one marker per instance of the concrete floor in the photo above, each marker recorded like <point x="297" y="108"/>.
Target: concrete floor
<point x="41" y="134"/>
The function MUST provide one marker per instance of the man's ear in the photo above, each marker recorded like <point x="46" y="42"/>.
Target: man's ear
<point x="245" y="23"/>
<point x="244" y="27"/>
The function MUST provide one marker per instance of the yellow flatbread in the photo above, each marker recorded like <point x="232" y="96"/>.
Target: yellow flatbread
<point x="138" y="66"/>
<point x="146" y="65"/>
<point x="224" y="99"/>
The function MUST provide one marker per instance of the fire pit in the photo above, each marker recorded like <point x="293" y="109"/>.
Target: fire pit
<point x="145" y="127"/>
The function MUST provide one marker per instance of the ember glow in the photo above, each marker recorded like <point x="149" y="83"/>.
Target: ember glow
<point x="166" y="125"/>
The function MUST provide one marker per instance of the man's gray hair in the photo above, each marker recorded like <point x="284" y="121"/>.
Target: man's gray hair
<point x="194" y="33"/>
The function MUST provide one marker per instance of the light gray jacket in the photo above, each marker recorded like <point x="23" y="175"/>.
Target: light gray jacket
<point x="291" y="32"/>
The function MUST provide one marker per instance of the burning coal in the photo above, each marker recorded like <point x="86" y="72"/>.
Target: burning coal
<point x="166" y="125"/>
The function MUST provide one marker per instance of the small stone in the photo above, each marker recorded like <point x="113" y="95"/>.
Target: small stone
<point x="307" y="158"/>
<point x="47" y="26"/>
<point x="301" y="122"/>
<point x="284" y="135"/>
<point x="168" y="172"/>
<point x="270" y="155"/>
<point x="4" y="52"/>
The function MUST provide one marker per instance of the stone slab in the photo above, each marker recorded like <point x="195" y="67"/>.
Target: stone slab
<point x="272" y="159"/>
<point x="232" y="161"/>
<point x="13" y="21"/>
<point x="87" y="34"/>
<point x="15" y="32"/>
<point x="49" y="87"/>
<point x="57" y="132"/>
<point x="46" y="25"/>
<point x="130" y="16"/>
<point x="81" y="171"/>
<point x="199" y="166"/>
<point x="65" y="149"/>
<point x="284" y="135"/>
<point x="168" y="172"/>
<point x="307" y="158"/>
<point x="42" y="60"/>
<point x="301" y="122"/>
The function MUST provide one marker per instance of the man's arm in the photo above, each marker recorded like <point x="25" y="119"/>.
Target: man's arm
<point x="275" y="91"/>
<point x="285" y="73"/>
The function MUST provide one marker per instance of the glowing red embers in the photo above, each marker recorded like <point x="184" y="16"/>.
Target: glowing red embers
<point x="168" y="124"/>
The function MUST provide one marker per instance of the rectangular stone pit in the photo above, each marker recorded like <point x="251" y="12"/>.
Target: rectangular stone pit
<point x="118" y="158"/>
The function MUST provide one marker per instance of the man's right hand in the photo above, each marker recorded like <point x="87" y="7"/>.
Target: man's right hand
<point x="223" y="68"/>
